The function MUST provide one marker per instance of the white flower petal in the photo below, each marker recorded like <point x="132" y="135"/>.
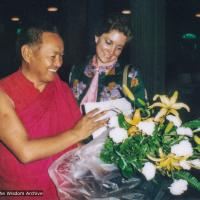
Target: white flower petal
<point x="178" y="187"/>
<point x="174" y="119"/>
<point x="118" y="135"/>
<point x="184" y="148"/>
<point x="149" y="170"/>
<point x="185" y="164"/>
<point x="195" y="162"/>
<point x="184" y="131"/>
<point x="146" y="127"/>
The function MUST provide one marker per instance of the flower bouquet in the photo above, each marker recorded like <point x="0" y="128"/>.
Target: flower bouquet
<point x="157" y="142"/>
<point x="137" y="158"/>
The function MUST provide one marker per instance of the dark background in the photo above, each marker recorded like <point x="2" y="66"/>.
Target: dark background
<point x="168" y="61"/>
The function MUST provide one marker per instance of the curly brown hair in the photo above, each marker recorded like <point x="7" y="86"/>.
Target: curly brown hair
<point x="115" y="22"/>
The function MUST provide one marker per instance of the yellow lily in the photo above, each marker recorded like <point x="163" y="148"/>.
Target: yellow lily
<point x="168" y="105"/>
<point x="167" y="162"/>
<point x="128" y="93"/>
<point x="134" y="121"/>
<point x="132" y="130"/>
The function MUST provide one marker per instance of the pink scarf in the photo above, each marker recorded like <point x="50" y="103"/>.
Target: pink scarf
<point x="91" y="95"/>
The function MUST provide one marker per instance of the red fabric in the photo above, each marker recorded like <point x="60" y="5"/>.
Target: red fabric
<point x="43" y="114"/>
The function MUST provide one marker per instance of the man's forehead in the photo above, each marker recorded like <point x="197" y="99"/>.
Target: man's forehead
<point x="50" y="42"/>
<point x="52" y="38"/>
<point x="50" y="35"/>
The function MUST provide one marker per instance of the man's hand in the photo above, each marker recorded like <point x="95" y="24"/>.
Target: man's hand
<point x="90" y="123"/>
<point x="27" y="150"/>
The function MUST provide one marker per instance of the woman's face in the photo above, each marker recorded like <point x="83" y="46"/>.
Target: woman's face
<point x="109" y="46"/>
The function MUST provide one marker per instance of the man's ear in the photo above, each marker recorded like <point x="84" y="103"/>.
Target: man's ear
<point x="96" y="38"/>
<point x="26" y="53"/>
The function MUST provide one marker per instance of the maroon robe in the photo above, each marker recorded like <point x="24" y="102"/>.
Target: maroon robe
<point x="43" y="114"/>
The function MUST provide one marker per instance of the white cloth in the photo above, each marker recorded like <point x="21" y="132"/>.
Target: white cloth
<point x="119" y="105"/>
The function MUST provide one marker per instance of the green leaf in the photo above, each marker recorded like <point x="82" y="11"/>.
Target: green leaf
<point x="127" y="172"/>
<point x="122" y="122"/>
<point x="192" y="124"/>
<point x="107" y="152"/>
<point x="141" y="102"/>
<point x="197" y="148"/>
<point x="122" y="163"/>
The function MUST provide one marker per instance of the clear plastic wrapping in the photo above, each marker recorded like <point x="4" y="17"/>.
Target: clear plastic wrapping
<point x="80" y="175"/>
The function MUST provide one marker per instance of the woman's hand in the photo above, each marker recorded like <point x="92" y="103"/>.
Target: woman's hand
<point x="90" y="123"/>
